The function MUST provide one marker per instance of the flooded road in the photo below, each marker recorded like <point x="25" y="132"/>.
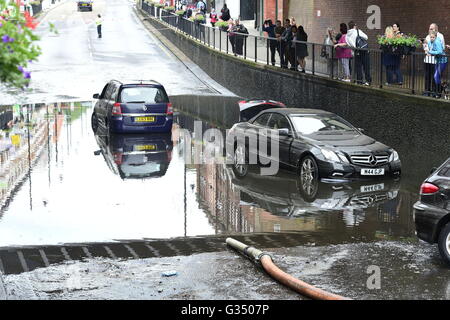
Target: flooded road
<point x="76" y="196"/>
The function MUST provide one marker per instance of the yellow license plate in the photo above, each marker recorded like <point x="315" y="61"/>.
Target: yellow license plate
<point x="149" y="147"/>
<point x="144" y="119"/>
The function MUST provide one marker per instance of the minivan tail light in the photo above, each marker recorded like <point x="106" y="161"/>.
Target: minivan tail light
<point x="116" y="109"/>
<point x="428" y="188"/>
<point x="169" y="108"/>
<point x="118" y="157"/>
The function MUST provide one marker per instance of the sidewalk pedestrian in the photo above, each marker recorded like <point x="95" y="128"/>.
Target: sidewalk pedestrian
<point x="285" y="42"/>
<point x="279" y="29"/>
<point x="397" y="68"/>
<point x="225" y="13"/>
<point x="302" y="48"/>
<point x="389" y="59"/>
<point x="201" y="6"/>
<point x="343" y="53"/>
<point x="291" y="38"/>
<point x="357" y="40"/>
<point x="327" y="50"/>
<point x="99" y="22"/>
<point x="213" y="17"/>
<point x="240" y="35"/>
<point x="269" y="27"/>
<point x="231" y="35"/>
<point x="436" y="48"/>
<point x="430" y="62"/>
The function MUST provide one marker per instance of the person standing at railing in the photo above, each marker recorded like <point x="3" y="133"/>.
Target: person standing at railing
<point x="225" y="13"/>
<point x="436" y="48"/>
<point x="343" y="53"/>
<point x="201" y="6"/>
<point x="390" y="60"/>
<point x="430" y="61"/>
<point x="269" y="27"/>
<point x="357" y="40"/>
<point x="291" y="44"/>
<point x="239" y="30"/>
<point x="327" y="50"/>
<point x="213" y="17"/>
<point x="281" y="48"/>
<point x="397" y="68"/>
<point x="302" y="48"/>
<point x="284" y="41"/>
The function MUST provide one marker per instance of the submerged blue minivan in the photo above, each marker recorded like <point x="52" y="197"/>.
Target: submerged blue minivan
<point x="133" y="108"/>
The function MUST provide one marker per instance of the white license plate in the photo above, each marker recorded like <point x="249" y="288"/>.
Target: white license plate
<point x="372" y="172"/>
<point x="372" y="188"/>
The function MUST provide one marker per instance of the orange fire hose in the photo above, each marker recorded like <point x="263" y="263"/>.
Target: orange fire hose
<point x="295" y="284"/>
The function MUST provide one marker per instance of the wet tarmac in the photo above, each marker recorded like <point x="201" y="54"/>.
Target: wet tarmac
<point x="104" y="201"/>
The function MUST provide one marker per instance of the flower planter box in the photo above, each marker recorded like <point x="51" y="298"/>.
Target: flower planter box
<point x="399" y="50"/>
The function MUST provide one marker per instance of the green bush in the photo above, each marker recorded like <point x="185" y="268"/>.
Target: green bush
<point x="180" y="12"/>
<point x="159" y="5"/>
<point x="17" y="45"/>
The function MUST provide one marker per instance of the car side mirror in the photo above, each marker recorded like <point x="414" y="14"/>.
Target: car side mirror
<point x="284" y="132"/>
<point x="96" y="96"/>
<point x="97" y="152"/>
<point x="361" y="130"/>
<point x="433" y="170"/>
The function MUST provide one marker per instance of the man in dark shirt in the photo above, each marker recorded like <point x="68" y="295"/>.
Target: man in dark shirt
<point x="279" y="29"/>
<point x="269" y="27"/>
<point x="284" y="42"/>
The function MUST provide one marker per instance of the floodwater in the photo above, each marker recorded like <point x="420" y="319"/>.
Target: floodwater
<point x="78" y="187"/>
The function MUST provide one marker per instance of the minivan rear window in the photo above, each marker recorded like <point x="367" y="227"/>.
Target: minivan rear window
<point x="143" y="95"/>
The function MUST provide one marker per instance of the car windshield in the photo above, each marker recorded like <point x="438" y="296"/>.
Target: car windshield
<point x="320" y="124"/>
<point x="143" y="95"/>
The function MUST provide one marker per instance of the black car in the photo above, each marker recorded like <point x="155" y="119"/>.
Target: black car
<point x="136" y="156"/>
<point x="138" y="107"/>
<point x="432" y="211"/>
<point x="316" y="143"/>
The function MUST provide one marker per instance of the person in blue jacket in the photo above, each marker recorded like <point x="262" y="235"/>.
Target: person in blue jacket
<point x="436" y="48"/>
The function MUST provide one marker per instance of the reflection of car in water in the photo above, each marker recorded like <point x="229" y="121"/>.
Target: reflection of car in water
<point x="136" y="156"/>
<point x="285" y="195"/>
<point x="316" y="143"/>
<point x="432" y="211"/>
<point x="84" y="5"/>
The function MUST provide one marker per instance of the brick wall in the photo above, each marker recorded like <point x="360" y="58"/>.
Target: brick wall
<point x="270" y="7"/>
<point x="414" y="16"/>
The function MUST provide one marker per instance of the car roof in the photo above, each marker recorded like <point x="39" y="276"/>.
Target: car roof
<point x="138" y="82"/>
<point x="299" y="111"/>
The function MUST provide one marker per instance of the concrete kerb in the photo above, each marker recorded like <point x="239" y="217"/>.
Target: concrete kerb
<point x="334" y="83"/>
<point x="2" y="288"/>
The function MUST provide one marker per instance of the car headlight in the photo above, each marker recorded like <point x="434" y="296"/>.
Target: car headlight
<point x="394" y="156"/>
<point x="333" y="156"/>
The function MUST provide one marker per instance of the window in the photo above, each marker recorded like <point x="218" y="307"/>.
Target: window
<point x="279" y="121"/>
<point x="109" y="91"/>
<point x="143" y="95"/>
<point x="317" y="124"/>
<point x="262" y="120"/>
<point x="445" y="171"/>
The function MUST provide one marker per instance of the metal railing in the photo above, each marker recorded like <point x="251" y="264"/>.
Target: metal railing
<point x="372" y="67"/>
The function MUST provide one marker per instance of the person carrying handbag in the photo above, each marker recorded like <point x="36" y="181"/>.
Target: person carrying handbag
<point x="357" y="40"/>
